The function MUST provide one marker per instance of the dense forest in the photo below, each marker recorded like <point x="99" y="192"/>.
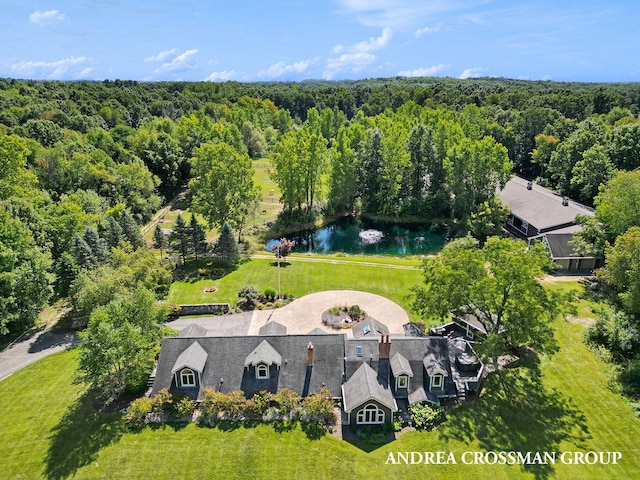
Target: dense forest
<point x="83" y="165"/>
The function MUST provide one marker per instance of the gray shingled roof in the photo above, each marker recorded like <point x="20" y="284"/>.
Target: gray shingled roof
<point x="433" y="365"/>
<point x="225" y="371"/>
<point x="364" y="385"/>
<point x="193" y="357"/>
<point x="400" y="365"/>
<point x="560" y="247"/>
<point x="273" y="328"/>
<point x="263" y="353"/>
<point x="420" y="395"/>
<point x="539" y="206"/>
<point x="369" y="327"/>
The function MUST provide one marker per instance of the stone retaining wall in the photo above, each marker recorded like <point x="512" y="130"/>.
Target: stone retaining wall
<point x="204" y="309"/>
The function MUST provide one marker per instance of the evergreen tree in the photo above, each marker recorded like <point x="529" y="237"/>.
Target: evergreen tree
<point x="113" y="232"/>
<point x="131" y="230"/>
<point x="98" y="245"/>
<point x="180" y="238"/>
<point x="159" y="239"/>
<point x="226" y="247"/>
<point x="198" y="236"/>
<point x="83" y="254"/>
<point x="66" y="272"/>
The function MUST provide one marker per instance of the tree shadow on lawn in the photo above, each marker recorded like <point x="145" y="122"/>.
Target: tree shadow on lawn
<point x="516" y="412"/>
<point x="81" y="433"/>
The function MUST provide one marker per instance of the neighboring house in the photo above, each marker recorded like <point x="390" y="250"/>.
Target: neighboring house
<point x="373" y="376"/>
<point x="537" y="213"/>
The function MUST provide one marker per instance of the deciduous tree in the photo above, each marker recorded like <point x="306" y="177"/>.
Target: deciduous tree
<point x="499" y="285"/>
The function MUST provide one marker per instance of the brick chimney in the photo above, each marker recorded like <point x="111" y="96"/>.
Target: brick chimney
<point x="310" y="354"/>
<point x="384" y="347"/>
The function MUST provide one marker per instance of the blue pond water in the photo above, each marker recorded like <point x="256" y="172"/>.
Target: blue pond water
<point x="357" y="235"/>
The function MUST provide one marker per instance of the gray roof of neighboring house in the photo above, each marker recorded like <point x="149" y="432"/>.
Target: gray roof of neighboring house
<point x="272" y="328"/>
<point x="399" y="365"/>
<point x="263" y="353"/>
<point x="193" y="357"/>
<point x="364" y="385"/>
<point x="369" y="327"/>
<point x="539" y="206"/>
<point x="560" y="246"/>
<point x="224" y="370"/>
<point x="193" y="330"/>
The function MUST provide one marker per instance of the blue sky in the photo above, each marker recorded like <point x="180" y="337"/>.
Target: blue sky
<point x="259" y="40"/>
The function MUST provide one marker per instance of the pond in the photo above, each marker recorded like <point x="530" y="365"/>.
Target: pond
<point x="370" y="237"/>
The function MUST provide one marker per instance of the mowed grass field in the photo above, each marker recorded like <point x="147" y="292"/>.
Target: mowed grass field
<point x="300" y="276"/>
<point x="559" y="404"/>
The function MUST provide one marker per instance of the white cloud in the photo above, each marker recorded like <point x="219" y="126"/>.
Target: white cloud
<point x="281" y="68"/>
<point x="472" y="73"/>
<point x="85" y="73"/>
<point x="221" y="76"/>
<point x="423" y="72"/>
<point x="57" y="70"/>
<point x="179" y="63"/>
<point x="162" y="56"/>
<point x="45" y="18"/>
<point x="367" y="45"/>
<point x="427" y="30"/>
<point x="357" y="56"/>
<point x="374" y="43"/>
<point x="348" y="62"/>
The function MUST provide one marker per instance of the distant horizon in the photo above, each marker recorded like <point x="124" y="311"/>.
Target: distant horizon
<point x="320" y="80"/>
<point x="341" y="40"/>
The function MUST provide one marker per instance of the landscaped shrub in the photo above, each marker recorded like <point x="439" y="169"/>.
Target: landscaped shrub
<point x="260" y="403"/>
<point x="174" y="310"/>
<point x="248" y="292"/>
<point x="213" y="403"/>
<point x="425" y="415"/>
<point x="185" y="407"/>
<point x="287" y="401"/>
<point x="318" y="407"/>
<point x="343" y="316"/>
<point x="138" y="410"/>
<point x="270" y="293"/>
<point x="162" y="402"/>
<point x="269" y="305"/>
<point x="260" y="306"/>
<point x="236" y="404"/>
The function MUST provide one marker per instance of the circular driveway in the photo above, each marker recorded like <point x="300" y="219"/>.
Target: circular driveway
<point x="304" y="314"/>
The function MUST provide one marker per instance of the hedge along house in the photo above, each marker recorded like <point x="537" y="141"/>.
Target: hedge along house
<point x="537" y="213"/>
<point x="373" y="377"/>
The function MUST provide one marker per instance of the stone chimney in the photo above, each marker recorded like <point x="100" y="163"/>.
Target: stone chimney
<point x="310" y="354"/>
<point x="384" y="347"/>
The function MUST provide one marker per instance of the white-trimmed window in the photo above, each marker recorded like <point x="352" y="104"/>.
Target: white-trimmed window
<point x="262" y="371"/>
<point x="187" y="378"/>
<point x="370" y="414"/>
<point x="403" y="381"/>
<point x="437" y="381"/>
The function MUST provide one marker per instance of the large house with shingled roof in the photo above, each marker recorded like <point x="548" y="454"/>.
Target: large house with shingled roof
<point x="373" y="375"/>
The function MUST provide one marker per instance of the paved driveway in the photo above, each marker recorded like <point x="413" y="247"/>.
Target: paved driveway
<point x="33" y="346"/>
<point x="304" y="314"/>
<point x="218" y="325"/>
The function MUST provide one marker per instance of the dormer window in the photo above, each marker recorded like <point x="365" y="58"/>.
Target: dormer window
<point x="437" y="381"/>
<point x="262" y="371"/>
<point x="187" y="378"/>
<point x="403" y="381"/>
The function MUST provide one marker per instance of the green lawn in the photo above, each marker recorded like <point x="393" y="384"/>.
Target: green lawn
<point x="559" y="404"/>
<point x="298" y="277"/>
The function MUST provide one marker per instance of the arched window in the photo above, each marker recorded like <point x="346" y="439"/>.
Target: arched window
<point x="262" y="371"/>
<point x="187" y="378"/>
<point x="370" y="414"/>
